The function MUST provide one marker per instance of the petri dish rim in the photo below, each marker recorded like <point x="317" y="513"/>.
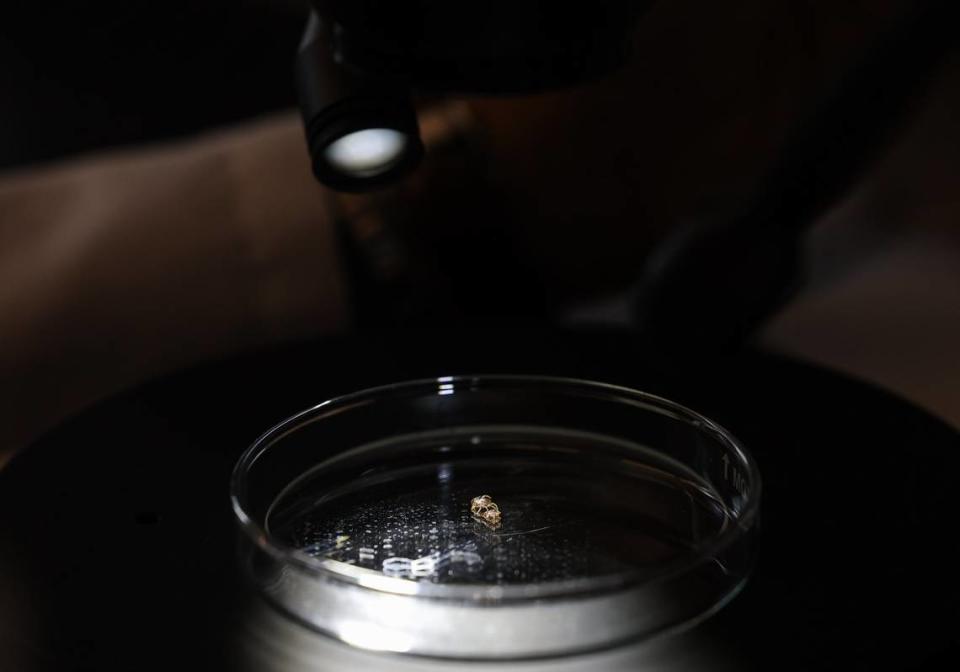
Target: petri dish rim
<point x="373" y="580"/>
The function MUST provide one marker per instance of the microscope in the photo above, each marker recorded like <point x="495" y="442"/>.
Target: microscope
<point x="360" y="62"/>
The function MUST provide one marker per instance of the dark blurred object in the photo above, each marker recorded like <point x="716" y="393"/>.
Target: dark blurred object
<point x="494" y="47"/>
<point x="711" y="284"/>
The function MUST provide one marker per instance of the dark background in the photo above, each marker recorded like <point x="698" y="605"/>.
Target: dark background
<point x="83" y="76"/>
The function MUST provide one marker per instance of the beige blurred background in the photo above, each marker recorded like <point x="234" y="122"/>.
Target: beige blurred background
<point x="884" y="299"/>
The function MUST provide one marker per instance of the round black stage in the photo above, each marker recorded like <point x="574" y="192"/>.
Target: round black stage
<point x="117" y="543"/>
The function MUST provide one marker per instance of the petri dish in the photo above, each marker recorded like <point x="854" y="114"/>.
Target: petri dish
<point x="619" y="515"/>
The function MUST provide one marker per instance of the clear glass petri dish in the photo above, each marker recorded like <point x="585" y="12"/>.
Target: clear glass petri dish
<point x="612" y="515"/>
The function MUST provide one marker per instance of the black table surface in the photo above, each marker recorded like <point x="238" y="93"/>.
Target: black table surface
<point x="117" y="542"/>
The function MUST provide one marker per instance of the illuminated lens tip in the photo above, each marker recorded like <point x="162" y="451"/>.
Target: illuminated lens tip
<point x="367" y="153"/>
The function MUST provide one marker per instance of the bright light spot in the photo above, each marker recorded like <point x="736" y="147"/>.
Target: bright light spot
<point x="386" y="584"/>
<point x="367" y="153"/>
<point x="369" y="636"/>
